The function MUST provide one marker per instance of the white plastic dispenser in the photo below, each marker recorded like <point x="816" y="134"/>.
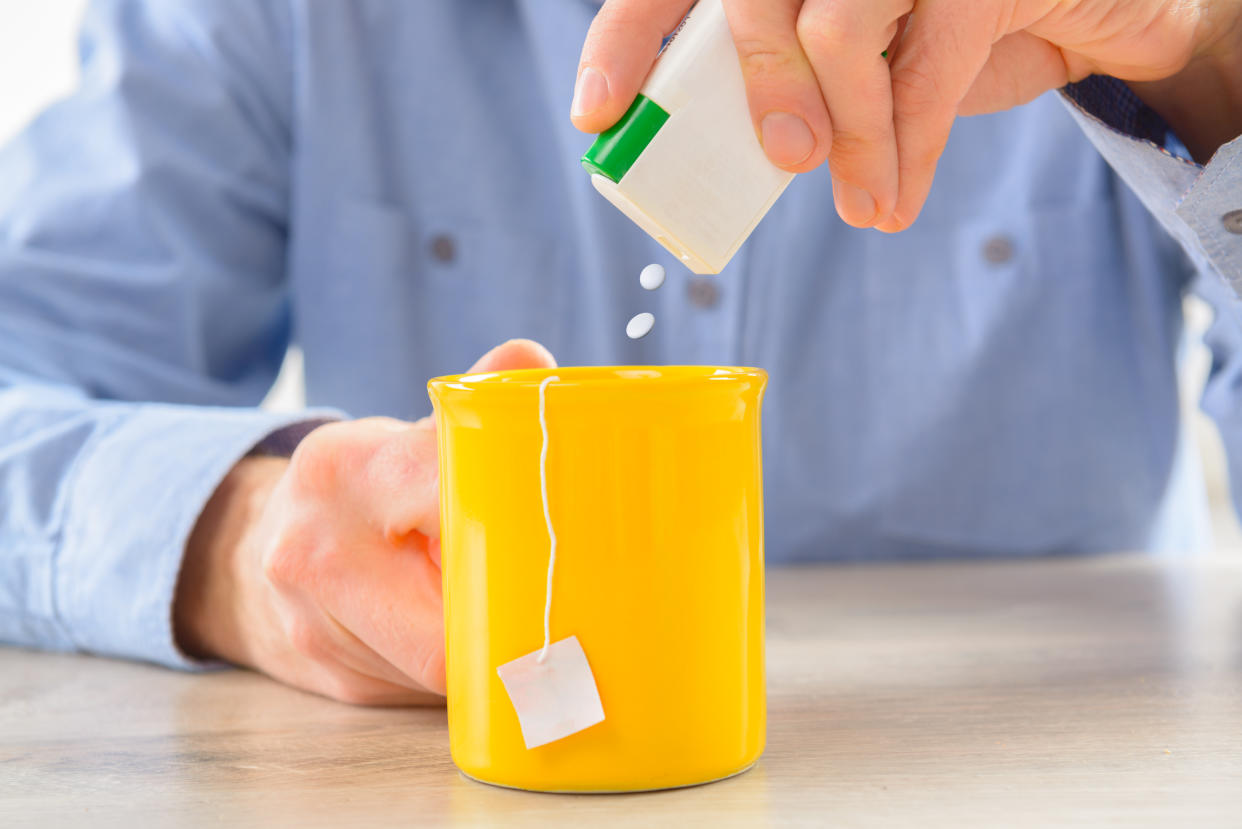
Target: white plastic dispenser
<point x="684" y="162"/>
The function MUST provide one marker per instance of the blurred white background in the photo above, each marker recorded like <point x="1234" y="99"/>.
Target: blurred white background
<point x="37" y="56"/>
<point x="38" y="65"/>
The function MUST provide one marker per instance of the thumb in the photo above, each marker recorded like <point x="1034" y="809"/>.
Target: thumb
<point x="1021" y="67"/>
<point x="620" y="47"/>
<point x="404" y="471"/>
<point x="424" y="516"/>
<point x="514" y="354"/>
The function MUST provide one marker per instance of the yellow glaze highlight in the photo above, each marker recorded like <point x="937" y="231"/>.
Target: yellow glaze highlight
<point x="656" y="495"/>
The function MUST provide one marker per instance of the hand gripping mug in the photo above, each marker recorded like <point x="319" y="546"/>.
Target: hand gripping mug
<point x="653" y="610"/>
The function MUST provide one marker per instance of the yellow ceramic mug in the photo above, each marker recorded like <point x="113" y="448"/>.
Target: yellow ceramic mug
<point x="655" y="492"/>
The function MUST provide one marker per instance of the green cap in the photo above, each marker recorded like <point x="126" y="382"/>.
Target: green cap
<point x="617" y="148"/>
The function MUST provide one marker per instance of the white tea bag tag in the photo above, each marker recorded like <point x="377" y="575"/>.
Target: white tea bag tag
<point x="553" y="698"/>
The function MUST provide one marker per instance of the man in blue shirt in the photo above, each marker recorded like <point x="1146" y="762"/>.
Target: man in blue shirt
<point x="394" y="187"/>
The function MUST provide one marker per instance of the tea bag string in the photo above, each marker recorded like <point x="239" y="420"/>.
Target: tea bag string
<point x="547" y="515"/>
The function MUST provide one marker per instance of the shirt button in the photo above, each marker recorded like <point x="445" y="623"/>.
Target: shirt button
<point x="443" y="248"/>
<point x="998" y="250"/>
<point x="704" y="292"/>
<point x="1232" y="221"/>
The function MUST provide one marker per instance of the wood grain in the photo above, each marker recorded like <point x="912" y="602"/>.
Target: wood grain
<point x="1105" y="690"/>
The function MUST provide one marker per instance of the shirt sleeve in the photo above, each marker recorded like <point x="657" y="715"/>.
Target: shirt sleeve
<point x="1201" y="206"/>
<point x="1222" y="388"/>
<point x="143" y="313"/>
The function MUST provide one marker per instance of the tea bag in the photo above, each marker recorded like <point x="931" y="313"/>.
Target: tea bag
<point x="553" y="698"/>
<point x="552" y="689"/>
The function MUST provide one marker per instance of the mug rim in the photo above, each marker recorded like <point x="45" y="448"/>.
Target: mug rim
<point x="596" y="376"/>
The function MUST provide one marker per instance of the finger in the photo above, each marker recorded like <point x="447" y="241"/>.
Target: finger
<point x="341" y="683"/>
<point x="403" y="475"/>
<point x="514" y="354"/>
<point x="347" y="649"/>
<point x="332" y="459"/>
<point x="392" y="602"/>
<point x="891" y="50"/>
<point x="620" y="48"/>
<point x="400" y="490"/>
<point x="1020" y="68"/>
<point x="316" y="637"/>
<point x="317" y="654"/>
<point x="378" y="471"/>
<point x="845" y="42"/>
<point x="785" y="102"/>
<point x="945" y="46"/>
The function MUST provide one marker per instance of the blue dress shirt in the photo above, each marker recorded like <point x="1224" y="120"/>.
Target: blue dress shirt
<point x="395" y="187"/>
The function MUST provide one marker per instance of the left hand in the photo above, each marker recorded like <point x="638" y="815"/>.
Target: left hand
<point x="820" y="90"/>
<point x="323" y="570"/>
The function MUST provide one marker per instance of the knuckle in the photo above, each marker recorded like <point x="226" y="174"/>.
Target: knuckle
<point x="315" y="464"/>
<point x="402" y="461"/>
<point x="431" y="673"/>
<point x="898" y="223"/>
<point x="354" y="690"/>
<point x="850" y="147"/>
<point x="621" y="23"/>
<point x="277" y="567"/>
<point x="350" y="692"/>
<point x="928" y="157"/>
<point x="919" y="159"/>
<point x="885" y="203"/>
<point x="288" y="561"/>
<point x="305" y="639"/>
<point x="763" y="59"/>
<point x="916" y="92"/>
<point x="826" y="29"/>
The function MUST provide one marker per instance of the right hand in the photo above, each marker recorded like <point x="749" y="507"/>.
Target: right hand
<point x="820" y="88"/>
<point x="322" y="570"/>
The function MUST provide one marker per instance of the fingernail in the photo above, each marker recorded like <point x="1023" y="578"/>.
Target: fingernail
<point x="786" y="138"/>
<point x="891" y="225"/>
<point x="590" y="93"/>
<point x="855" y="204"/>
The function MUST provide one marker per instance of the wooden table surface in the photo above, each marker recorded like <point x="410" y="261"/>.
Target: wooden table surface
<point x="1028" y="693"/>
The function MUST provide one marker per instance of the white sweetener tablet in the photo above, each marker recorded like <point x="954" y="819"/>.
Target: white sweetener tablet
<point x="639" y="325"/>
<point x="652" y="276"/>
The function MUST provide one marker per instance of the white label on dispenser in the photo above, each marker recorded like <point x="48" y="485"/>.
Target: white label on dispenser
<point x="553" y="698"/>
<point x="703" y="182"/>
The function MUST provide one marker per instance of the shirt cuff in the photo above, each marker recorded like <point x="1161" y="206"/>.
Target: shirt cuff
<point x="136" y="495"/>
<point x="1114" y="103"/>
<point x="282" y="442"/>
<point x="1201" y="206"/>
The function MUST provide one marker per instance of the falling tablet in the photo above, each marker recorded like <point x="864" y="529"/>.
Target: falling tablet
<point x="639" y="325"/>
<point x="652" y="276"/>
